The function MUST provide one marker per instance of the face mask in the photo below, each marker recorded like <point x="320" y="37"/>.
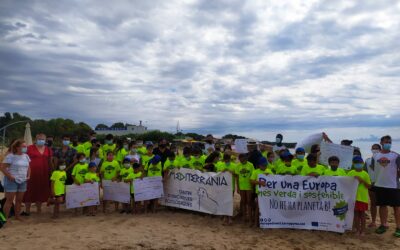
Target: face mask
<point x="278" y="140"/>
<point x="62" y="167"/>
<point x="133" y="150"/>
<point x="300" y="157"/>
<point x="358" y="166"/>
<point x="127" y="165"/>
<point x="40" y="142"/>
<point x="375" y="151"/>
<point x="24" y="150"/>
<point x="82" y="161"/>
<point x="66" y="142"/>
<point x="387" y="146"/>
<point x="109" y="142"/>
<point x="126" y="147"/>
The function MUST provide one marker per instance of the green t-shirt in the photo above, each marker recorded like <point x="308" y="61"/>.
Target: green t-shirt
<point x="197" y="163"/>
<point x="146" y="159"/>
<point x="120" y="155"/>
<point x="109" y="169"/>
<point x="244" y="172"/>
<point x="58" y="178"/>
<point x="318" y="169"/>
<point x="362" y="190"/>
<point x="125" y="172"/>
<point x="284" y="170"/>
<point x="79" y="172"/>
<point x="169" y="165"/>
<point x="154" y="169"/>
<point x="79" y="148"/>
<point x="133" y="176"/>
<point x="106" y="148"/>
<point x="337" y="172"/>
<point x="142" y="150"/>
<point x="230" y="166"/>
<point x="299" y="164"/>
<point x="90" y="176"/>
<point x="256" y="172"/>
<point x="185" y="163"/>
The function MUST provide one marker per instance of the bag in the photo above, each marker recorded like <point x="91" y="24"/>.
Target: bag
<point x="3" y="219"/>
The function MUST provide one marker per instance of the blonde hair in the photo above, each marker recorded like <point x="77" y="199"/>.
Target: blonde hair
<point x="16" y="145"/>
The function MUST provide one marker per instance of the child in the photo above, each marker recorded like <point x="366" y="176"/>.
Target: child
<point x="227" y="166"/>
<point x="148" y="156"/>
<point x="334" y="169"/>
<point x="124" y="174"/>
<point x="211" y="161"/>
<point x="362" y="194"/>
<point x="80" y="169"/>
<point x="91" y="177"/>
<point x="198" y="160"/>
<point x="299" y="162"/>
<point x="185" y="160"/>
<point x="287" y="168"/>
<point x="244" y="170"/>
<point x="109" y="170"/>
<point x="170" y="164"/>
<point x="154" y="168"/>
<point x="312" y="168"/>
<point x="58" y="178"/>
<point x="262" y="169"/>
<point x="137" y="173"/>
<point x="133" y="154"/>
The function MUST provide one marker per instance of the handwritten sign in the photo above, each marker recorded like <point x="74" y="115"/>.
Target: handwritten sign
<point x="149" y="188"/>
<point x="116" y="191"/>
<point x="82" y="195"/>
<point x="344" y="153"/>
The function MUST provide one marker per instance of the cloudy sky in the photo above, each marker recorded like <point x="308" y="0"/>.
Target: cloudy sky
<point x="249" y="67"/>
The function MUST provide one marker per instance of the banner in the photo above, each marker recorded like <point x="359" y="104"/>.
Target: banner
<point x="306" y="202"/>
<point x="241" y="146"/>
<point x="82" y="195"/>
<point x="194" y="190"/>
<point x="310" y="140"/>
<point x="344" y="153"/>
<point x="149" y="188"/>
<point x="116" y="191"/>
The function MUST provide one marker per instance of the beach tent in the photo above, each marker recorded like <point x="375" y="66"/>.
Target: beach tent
<point x="28" y="134"/>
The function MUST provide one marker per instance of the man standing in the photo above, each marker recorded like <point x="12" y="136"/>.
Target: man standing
<point x="386" y="164"/>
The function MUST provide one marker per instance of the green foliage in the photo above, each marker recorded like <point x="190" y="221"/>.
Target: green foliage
<point x="234" y="137"/>
<point x="118" y="125"/>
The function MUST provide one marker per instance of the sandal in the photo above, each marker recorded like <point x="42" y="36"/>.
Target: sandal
<point x="381" y="229"/>
<point x="397" y="233"/>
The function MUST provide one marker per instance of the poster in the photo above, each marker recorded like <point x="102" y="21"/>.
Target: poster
<point x="305" y="202"/>
<point x="241" y="146"/>
<point x="194" y="190"/>
<point x="148" y="188"/>
<point x="310" y="140"/>
<point x="82" y="195"/>
<point x="116" y="191"/>
<point x="345" y="154"/>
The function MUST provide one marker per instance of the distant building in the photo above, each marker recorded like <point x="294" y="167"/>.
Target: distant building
<point x="129" y="129"/>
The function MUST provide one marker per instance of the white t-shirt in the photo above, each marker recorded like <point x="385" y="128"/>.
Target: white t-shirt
<point x="370" y="169"/>
<point x="277" y="148"/>
<point x="386" y="166"/>
<point x="19" y="165"/>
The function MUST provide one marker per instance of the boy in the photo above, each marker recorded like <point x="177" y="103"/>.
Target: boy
<point x="299" y="162"/>
<point x="124" y="174"/>
<point x="92" y="177"/>
<point x="58" y="178"/>
<point x="312" y="168"/>
<point x="148" y="156"/>
<point x="170" y="164"/>
<point x="109" y="170"/>
<point x="262" y="169"/>
<point x="185" y="160"/>
<point x="154" y="168"/>
<point x="197" y="161"/>
<point x="287" y="167"/>
<point x="244" y="170"/>
<point x="334" y="169"/>
<point x="80" y="169"/>
<point x="362" y="194"/>
<point x="137" y="173"/>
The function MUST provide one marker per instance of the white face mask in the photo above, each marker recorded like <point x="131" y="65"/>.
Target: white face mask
<point x="127" y="165"/>
<point x="375" y="151"/>
<point x="62" y="167"/>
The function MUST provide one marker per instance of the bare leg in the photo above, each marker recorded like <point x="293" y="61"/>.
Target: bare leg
<point x="397" y="216"/>
<point x="18" y="203"/>
<point x="39" y="207"/>
<point x="383" y="214"/>
<point x="356" y="222"/>
<point x="362" y="222"/>
<point x="9" y="201"/>
<point x="28" y="207"/>
<point x="373" y="208"/>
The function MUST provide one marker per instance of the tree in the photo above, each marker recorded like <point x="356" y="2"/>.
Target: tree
<point x="101" y="126"/>
<point x="233" y="137"/>
<point x="118" y="125"/>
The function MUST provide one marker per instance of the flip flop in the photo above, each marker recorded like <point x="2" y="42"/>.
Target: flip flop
<point x="381" y="229"/>
<point x="397" y="233"/>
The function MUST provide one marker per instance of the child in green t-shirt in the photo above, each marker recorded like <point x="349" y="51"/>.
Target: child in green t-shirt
<point x="287" y="168"/>
<point x="170" y="164"/>
<point x="362" y="194"/>
<point x="91" y="177"/>
<point x="154" y="169"/>
<point x="334" y="169"/>
<point x="244" y="170"/>
<point x="109" y="170"/>
<point x="80" y="169"/>
<point x="312" y="168"/>
<point x="137" y="173"/>
<point x="124" y="173"/>
<point x="58" y="178"/>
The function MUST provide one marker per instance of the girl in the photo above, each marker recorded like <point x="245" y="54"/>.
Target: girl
<point x="154" y="168"/>
<point x="299" y="162"/>
<point x="121" y="150"/>
<point x="124" y="174"/>
<point x="91" y="177"/>
<point x="170" y="163"/>
<point x="80" y="169"/>
<point x="137" y="173"/>
<point x="58" y="178"/>
<point x="244" y="170"/>
<point x="334" y="169"/>
<point x="211" y="161"/>
<point x="286" y="168"/>
<point x="185" y="160"/>
<point x="133" y="154"/>
<point x="109" y="170"/>
<point x="362" y="194"/>
<point x="16" y="170"/>
<point x="312" y="168"/>
<point x="148" y="156"/>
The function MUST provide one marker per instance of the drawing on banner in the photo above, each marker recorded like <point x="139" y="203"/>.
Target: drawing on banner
<point x="344" y="153"/>
<point x="206" y="201"/>
<point x="116" y="191"/>
<point x="82" y="196"/>
<point x="148" y="188"/>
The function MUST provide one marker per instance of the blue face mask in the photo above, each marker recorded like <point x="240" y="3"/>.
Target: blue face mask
<point x="387" y="146"/>
<point x="24" y="150"/>
<point x="358" y="166"/>
<point x="66" y="142"/>
<point x="40" y="142"/>
<point x="300" y="157"/>
<point x="278" y="140"/>
<point x="82" y="161"/>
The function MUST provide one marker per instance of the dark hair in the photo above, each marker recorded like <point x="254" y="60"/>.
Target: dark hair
<point x="187" y="150"/>
<point x="312" y="157"/>
<point x="119" y="144"/>
<point x="226" y="157"/>
<point x="287" y="157"/>
<point x="132" y="143"/>
<point x="242" y="156"/>
<point x="109" y="137"/>
<point x="65" y="136"/>
<point x="269" y="154"/>
<point x="386" y="137"/>
<point x="279" y="135"/>
<point x="313" y="149"/>
<point x="357" y="150"/>
<point x="227" y="146"/>
<point x="196" y="151"/>
<point x="109" y="152"/>
<point x="210" y="159"/>
<point x="376" y="145"/>
<point x="60" y="162"/>
<point x="171" y="154"/>
<point x="79" y="155"/>
<point x="333" y="158"/>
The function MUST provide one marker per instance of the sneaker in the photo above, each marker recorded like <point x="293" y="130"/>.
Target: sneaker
<point x="397" y="233"/>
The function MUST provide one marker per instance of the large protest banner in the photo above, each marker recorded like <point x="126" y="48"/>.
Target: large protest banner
<point x="305" y="202"/>
<point x="194" y="190"/>
<point x="83" y="195"/>
<point x="116" y="191"/>
<point x="344" y="153"/>
<point x="148" y="188"/>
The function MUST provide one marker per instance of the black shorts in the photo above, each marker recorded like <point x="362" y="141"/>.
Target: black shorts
<point x="387" y="196"/>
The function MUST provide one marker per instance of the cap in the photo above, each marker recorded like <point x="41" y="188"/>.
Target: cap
<point x="262" y="161"/>
<point x="300" y="150"/>
<point x="358" y="159"/>
<point x="92" y="164"/>
<point x="156" y="159"/>
<point x="126" y="159"/>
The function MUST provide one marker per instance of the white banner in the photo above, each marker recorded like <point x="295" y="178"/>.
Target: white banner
<point x="82" y="195"/>
<point x="194" y="190"/>
<point x="344" y="153"/>
<point x="149" y="188"/>
<point x="116" y="191"/>
<point x="241" y="146"/>
<point x="306" y="202"/>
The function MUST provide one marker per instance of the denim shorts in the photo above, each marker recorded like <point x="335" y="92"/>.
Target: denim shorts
<point x="13" y="187"/>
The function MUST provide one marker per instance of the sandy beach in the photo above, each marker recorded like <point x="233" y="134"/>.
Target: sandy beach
<point x="171" y="229"/>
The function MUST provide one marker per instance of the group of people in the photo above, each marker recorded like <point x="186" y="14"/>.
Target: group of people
<point x="39" y="173"/>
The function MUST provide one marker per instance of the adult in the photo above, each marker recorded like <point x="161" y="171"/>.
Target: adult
<point x="209" y="143"/>
<point x="38" y="188"/>
<point x="15" y="168"/>
<point x="253" y="154"/>
<point x="50" y="143"/>
<point x="376" y="148"/>
<point x="278" y="146"/>
<point x="386" y="165"/>
<point x="162" y="150"/>
<point x="67" y="154"/>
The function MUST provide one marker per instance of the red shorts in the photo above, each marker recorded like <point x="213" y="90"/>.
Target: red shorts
<point x="361" y="206"/>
